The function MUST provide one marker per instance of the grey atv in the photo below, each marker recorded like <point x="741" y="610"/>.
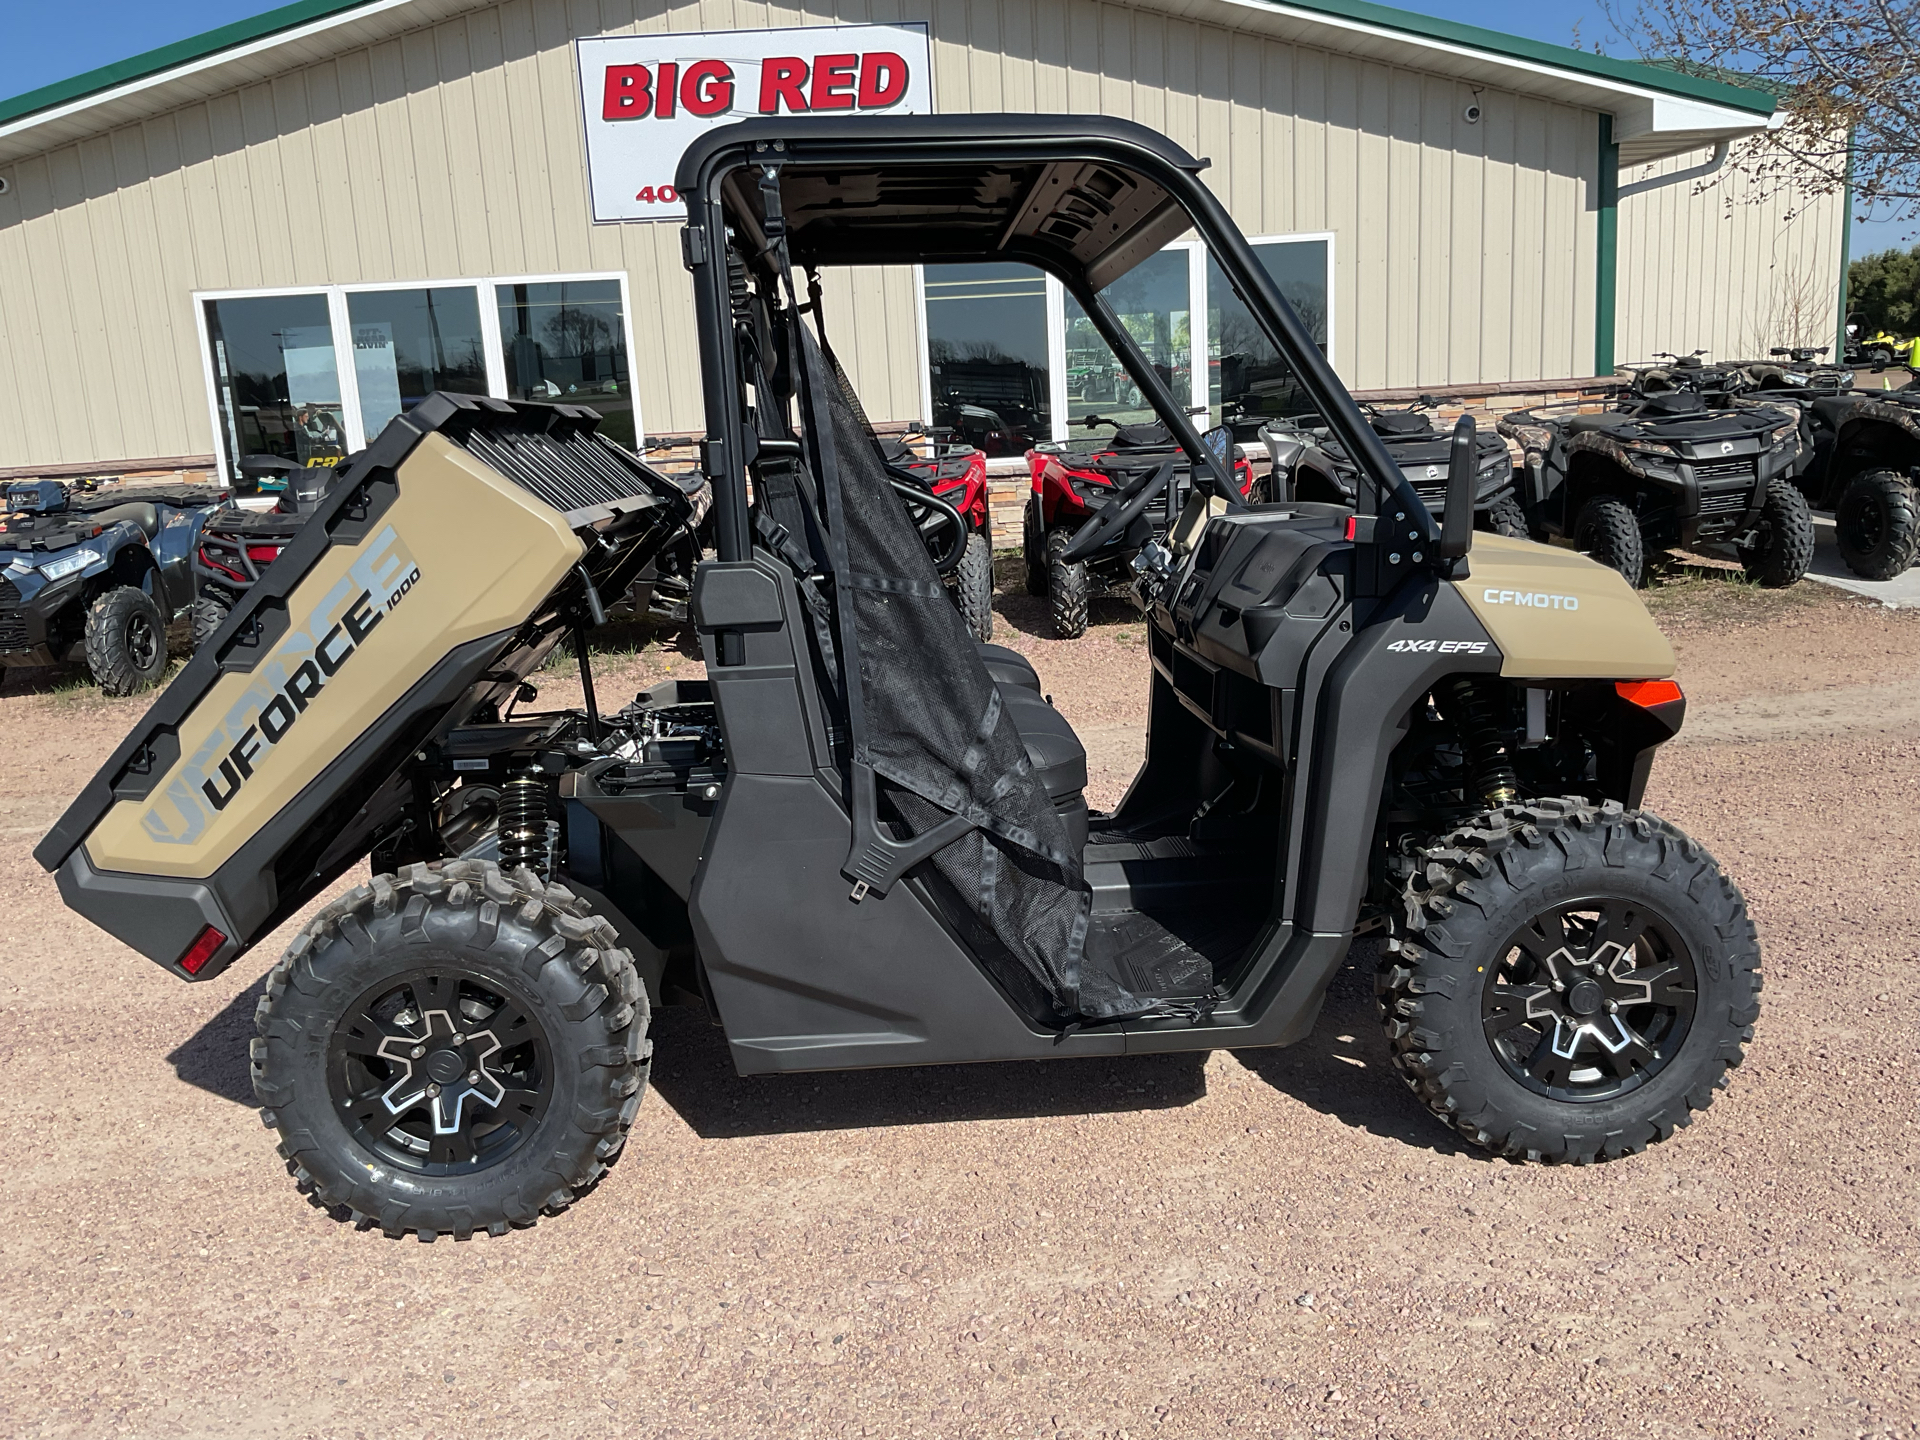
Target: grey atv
<point x="1658" y="470"/>
<point x="1309" y="464"/>
<point x="98" y="578"/>
<point x="863" y="839"/>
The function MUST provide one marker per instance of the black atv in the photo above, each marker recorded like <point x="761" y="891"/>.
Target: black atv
<point x="1309" y="464"/>
<point x="1864" y="455"/>
<point x="1675" y="467"/>
<point x="98" y="577"/>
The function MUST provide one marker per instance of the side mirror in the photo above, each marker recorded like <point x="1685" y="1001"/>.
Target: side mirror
<point x="1456" y="526"/>
<point x="1219" y="440"/>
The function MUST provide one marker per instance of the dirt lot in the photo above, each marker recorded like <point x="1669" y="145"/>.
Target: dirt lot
<point x="1264" y="1243"/>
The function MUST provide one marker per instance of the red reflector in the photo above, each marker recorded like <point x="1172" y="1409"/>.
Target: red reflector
<point x="1353" y="526"/>
<point x="262" y="554"/>
<point x="195" y="960"/>
<point x="1645" y="693"/>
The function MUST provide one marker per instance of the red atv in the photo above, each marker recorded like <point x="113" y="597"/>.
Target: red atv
<point x="955" y="473"/>
<point x="1073" y="480"/>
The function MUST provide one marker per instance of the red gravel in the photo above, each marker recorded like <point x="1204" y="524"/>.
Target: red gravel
<point x="1268" y="1243"/>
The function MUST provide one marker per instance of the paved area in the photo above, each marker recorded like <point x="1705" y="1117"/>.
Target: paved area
<point x="1903" y="591"/>
<point x="1264" y="1243"/>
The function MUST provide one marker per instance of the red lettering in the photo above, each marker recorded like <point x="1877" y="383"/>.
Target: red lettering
<point x="783" y="78"/>
<point x="833" y="82"/>
<point x="663" y="106"/>
<point x="629" y="93"/>
<point x="883" y="79"/>
<point x="707" y="88"/>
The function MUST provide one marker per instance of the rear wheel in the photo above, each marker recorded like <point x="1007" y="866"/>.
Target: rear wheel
<point x="973" y="586"/>
<point x="1568" y="981"/>
<point x="1877" y="524"/>
<point x="1066" y="587"/>
<point x="1607" y="531"/>
<point x="1505" y="517"/>
<point x="210" y="611"/>
<point x="452" y="1049"/>
<point x="1783" y="547"/>
<point x="126" y="641"/>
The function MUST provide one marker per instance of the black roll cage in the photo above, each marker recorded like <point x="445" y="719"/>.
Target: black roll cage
<point x="710" y="180"/>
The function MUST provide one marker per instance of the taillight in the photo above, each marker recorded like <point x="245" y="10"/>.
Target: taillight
<point x="201" y="951"/>
<point x="1353" y="527"/>
<point x="1648" y="693"/>
<point x="262" y="554"/>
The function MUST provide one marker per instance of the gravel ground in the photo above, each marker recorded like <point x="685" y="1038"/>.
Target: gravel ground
<point x="1266" y="1243"/>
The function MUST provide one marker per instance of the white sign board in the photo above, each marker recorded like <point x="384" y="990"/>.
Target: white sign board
<point x="646" y="97"/>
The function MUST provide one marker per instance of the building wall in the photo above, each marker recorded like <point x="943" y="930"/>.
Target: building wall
<point x="1464" y="253"/>
<point x="1725" y="263"/>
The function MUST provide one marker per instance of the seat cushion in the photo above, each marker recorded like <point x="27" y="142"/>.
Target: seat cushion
<point x="1008" y="667"/>
<point x="1054" y="751"/>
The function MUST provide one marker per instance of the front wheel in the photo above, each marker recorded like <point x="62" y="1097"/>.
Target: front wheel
<point x="126" y="641"/>
<point x="209" y="613"/>
<point x="1067" y="585"/>
<point x="1568" y="981"/>
<point x="973" y="587"/>
<point x="1608" y="531"/>
<point x="452" y="1049"/>
<point x="1505" y="517"/>
<point x="1783" y="546"/>
<point x="1877" y="524"/>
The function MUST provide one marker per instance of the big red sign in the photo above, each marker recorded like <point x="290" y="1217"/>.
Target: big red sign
<point x="645" y="97"/>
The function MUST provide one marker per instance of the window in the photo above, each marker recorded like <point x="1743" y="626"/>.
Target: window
<point x="1005" y="342"/>
<point x="313" y="375"/>
<point x="987" y="355"/>
<point x="566" y="341"/>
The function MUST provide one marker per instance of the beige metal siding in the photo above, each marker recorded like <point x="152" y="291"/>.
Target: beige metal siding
<point x="1725" y="263"/>
<point x="1464" y="252"/>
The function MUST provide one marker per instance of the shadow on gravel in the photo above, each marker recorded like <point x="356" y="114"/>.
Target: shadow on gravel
<point x="214" y="1058"/>
<point x="693" y="1073"/>
<point x="1342" y="1068"/>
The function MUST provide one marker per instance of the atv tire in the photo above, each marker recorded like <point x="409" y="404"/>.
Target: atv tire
<point x="1877" y="524"/>
<point x="973" y="587"/>
<point x="1500" y="1015"/>
<point x="410" y="964"/>
<point x="1066" y="587"/>
<point x="208" y="615"/>
<point x="1784" y="547"/>
<point x="1505" y="517"/>
<point x="126" y="641"/>
<point x="1607" y="531"/>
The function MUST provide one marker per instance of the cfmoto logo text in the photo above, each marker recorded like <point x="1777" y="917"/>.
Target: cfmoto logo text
<point x="1537" y="599"/>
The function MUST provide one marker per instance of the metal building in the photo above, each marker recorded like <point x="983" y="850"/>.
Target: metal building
<point x="277" y="235"/>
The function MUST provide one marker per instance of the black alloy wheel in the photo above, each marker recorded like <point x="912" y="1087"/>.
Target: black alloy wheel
<point x="440" y="1071"/>
<point x="1589" y="999"/>
<point x="126" y="641"/>
<point x="1877" y="524"/>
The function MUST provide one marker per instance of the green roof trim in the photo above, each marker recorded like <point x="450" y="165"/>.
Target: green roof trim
<point x="1645" y="76"/>
<point x="1641" y="74"/>
<point x="167" y="57"/>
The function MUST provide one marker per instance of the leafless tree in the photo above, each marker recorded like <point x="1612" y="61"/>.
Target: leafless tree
<point x="1839" y="68"/>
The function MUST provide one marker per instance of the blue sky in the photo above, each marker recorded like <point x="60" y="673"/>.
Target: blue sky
<point x="39" y="44"/>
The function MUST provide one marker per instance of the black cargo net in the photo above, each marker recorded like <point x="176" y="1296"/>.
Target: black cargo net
<point x="929" y="721"/>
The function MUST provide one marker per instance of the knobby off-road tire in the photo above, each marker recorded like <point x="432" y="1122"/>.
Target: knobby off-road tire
<point x="1784" y="547"/>
<point x="506" y="996"/>
<point x="1477" y="948"/>
<point x="208" y="615"/>
<point x="1066" y="588"/>
<point x="1607" y="531"/>
<point x="1505" y="517"/>
<point x="1877" y="525"/>
<point x="126" y="641"/>
<point x="973" y="587"/>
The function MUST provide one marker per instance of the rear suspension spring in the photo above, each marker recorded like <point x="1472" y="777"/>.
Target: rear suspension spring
<point x="1473" y="705"/>
<point x="523" y="825"/>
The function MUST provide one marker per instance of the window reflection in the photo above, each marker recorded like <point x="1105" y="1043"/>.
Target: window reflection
<point x="276" y="379"/>
<point x="1153" y="302"/>
<point x="1246" y="379"/>
<point x="409" y="343"/>
<point x="987" y="354"/>
<point x="565" y="341"/>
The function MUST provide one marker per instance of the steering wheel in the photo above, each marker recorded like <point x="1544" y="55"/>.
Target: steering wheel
<point x="1111" y="520"/>
<point x="944" y="515"/>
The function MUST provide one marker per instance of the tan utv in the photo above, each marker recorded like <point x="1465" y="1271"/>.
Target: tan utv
<point x="863" y="839"/>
